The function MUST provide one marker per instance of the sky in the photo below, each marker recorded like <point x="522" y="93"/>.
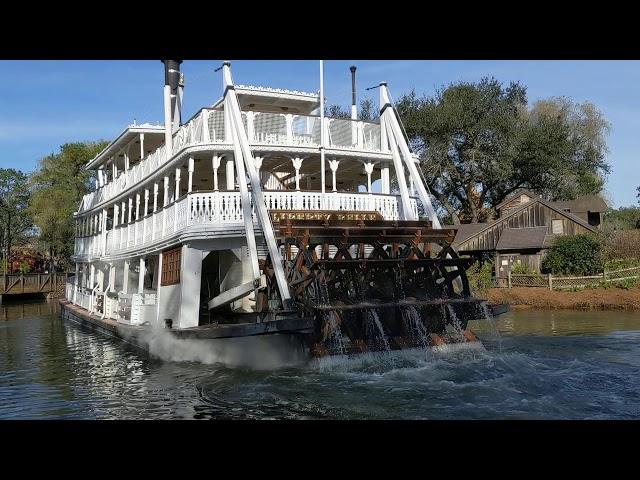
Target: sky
<point x="46" y="103"/>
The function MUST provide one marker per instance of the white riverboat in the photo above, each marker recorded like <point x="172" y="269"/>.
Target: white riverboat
<point x="186" y="226"/>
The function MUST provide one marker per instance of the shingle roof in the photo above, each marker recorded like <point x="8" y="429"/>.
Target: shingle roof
<point x="585" y="203"/>
<point x="519" y="238"/>
<point x="516" y="193"/>
<point x="465" y="230"/>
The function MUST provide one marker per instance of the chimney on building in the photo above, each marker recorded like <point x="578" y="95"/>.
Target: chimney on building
<point x="354" y="108"/>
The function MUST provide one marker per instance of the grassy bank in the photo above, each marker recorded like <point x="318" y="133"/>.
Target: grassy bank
<point x="587" y="299"/>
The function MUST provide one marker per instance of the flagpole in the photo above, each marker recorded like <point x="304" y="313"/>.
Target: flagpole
<point x="322" y="173"/>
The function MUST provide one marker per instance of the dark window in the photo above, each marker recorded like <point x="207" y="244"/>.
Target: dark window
<point x="593" y="218"/>
<point x="171" y="267"/>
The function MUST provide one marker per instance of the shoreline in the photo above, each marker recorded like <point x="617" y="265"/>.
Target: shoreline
<point x="523" y="298"/>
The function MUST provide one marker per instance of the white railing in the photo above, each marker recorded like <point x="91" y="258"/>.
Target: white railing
<point x="225" y="208"/>
<point x="262" y="128"/>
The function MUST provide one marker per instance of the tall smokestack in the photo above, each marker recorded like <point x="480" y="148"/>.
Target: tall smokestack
<point x="354" y="108"/>
<point x="172" y="98"/>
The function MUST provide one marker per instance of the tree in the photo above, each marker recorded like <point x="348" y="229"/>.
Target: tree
<point x="15" y="224"/>
<point x="478" y="142"/>
<point x="58" y="185"/>
<point x="575" y="254"/>
<point x="367" y="111"/>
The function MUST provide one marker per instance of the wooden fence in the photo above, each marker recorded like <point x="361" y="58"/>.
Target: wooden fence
<point x="14" y="284"/>
<point x="559" y="282"/>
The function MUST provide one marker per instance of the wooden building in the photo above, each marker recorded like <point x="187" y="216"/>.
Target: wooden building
<point x="522" y="234"/>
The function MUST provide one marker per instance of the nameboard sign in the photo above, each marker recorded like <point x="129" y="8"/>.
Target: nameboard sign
<point x="278" y="216"/>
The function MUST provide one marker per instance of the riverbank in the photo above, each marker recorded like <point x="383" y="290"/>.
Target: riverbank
<point x="588" y="299"/>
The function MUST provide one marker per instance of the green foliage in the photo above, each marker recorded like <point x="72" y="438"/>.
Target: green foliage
<point x="24" y="267"/>
<point x="574" y="255"/>
<point x="620" y="263"/>
<point x="627" y="284"/>
<point x="478" y="142"/>
<point x="522" y="269"/>
<point x="15" y="223"/>
<point x="624" y="218"/>
<point x="480" y="276"/>
<point x="58" y="185"/>
<point x="622" y="245"/>
<point x="368" y="111"/>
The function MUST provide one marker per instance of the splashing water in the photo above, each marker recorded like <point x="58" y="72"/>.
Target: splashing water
<point x="456" y="324"/>
<point x="374" y="333"/>
<point x="414" y="326"/>
<point x="334" y="341"/>
<point x="493" y="328"/>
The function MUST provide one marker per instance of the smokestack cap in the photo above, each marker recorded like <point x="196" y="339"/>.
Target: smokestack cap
<point x="352" y="68"/>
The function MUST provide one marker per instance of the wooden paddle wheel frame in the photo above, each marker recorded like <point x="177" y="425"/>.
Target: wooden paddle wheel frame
<point x="346" y="263"/>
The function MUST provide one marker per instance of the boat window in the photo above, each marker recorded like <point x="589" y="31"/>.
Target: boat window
<point x="171" y="267"/>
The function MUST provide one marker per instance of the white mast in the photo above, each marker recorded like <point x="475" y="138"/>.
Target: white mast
<point x="322" y="179"/>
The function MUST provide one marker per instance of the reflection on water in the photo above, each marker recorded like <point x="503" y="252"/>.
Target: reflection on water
<point x="548" y="365"/>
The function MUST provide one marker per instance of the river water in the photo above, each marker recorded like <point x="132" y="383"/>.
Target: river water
<point x="541" y="365"/>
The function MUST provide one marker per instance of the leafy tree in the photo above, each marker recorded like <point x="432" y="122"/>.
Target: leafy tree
<point x="15" y="223"/>
<point x="368" y="111"/>
<point x="575" y="254"/>
<point x="58" y="185"/>
<point x="478" y="142"/>
<point x="624" y="218"/>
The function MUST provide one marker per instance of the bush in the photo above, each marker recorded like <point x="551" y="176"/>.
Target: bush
<point x="574" y="255"/>
<point x="522" y="269"/>
<point x="623" y="244"/>
<point x="480" y="275"/>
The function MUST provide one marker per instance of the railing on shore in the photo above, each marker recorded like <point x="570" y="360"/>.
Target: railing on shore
<point x="19" y="283"/>
<point x="262" y="128"/>
<point x="225" y="208"/>
<point x="562" y="282"/>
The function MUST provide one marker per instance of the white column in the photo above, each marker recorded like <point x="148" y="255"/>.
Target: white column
<point x="166" y="191"/>
<point x="191" y="169"/>
<point x="123" y="209"/>
<point x="137" y="207"/>
<point x="384" y="178"/>
<point x="231" y="174"/>
<point x="412" y="189"/>
<point x="190" y="278"/>
<point x="297" y="164"/>
<point x="368" y="168"/>
<point x="333" y="165"/>
<point x="126" y="159"/>
<point x="289" y="119"/>
<point x="141" y="276"/>
<point x="206" y="136"/>
<point x="141" y="146"/>
<point x="114" y="168"/>
<point x="75" y="284"/>
<point x="177" y="191"/>
<point x="125" y="277"/>
<point x="155" y="196"/>
<point x="215" y="164"/>
<point x="130" y="210"/>
<point x="116" y="214"/>
<point x="146" y="202"/>
<point x="250" y="128"/>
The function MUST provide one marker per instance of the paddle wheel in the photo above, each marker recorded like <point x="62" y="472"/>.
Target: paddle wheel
<point x="370" y="284"/>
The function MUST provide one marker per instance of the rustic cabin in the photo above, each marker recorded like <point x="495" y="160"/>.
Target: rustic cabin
<point x="522" y="235"/>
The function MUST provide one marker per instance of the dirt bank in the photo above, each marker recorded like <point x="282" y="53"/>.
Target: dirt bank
<point x="588" y="299"/>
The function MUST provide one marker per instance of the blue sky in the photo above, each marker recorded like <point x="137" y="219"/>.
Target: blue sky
<point x="44" y="104"/>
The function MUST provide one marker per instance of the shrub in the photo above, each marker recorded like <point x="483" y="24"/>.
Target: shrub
<point x="623" y="244"/>
<point x="522" y="269"/>
<point x="574" y="255"/>
<point x="479" y="275"/>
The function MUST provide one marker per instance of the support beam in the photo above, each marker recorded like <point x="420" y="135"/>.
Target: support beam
<point x="242" y="146"/>
<point x="238" y="292"/>
<point x="191" y="169"/>
<point x="215" y="165"/>
<point x="333" y="165"/>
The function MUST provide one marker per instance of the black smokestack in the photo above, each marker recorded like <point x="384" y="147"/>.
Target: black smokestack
<point x="172" y="78"/>
<point x="353" y="84"/>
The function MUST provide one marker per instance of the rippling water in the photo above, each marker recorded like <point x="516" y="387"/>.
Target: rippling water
<point x="544" y="365"/>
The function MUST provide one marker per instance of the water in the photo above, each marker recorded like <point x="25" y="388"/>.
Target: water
<point x="552" y="365"/>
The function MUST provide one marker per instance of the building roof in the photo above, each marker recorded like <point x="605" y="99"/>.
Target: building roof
<point x="465" y="230"/>
<point x="516" y="193"/>
<point x="128" y="134"/>
<point x="474" y="229"/>
<point x="585" y="203"/>
<point x="520" y="238"/>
